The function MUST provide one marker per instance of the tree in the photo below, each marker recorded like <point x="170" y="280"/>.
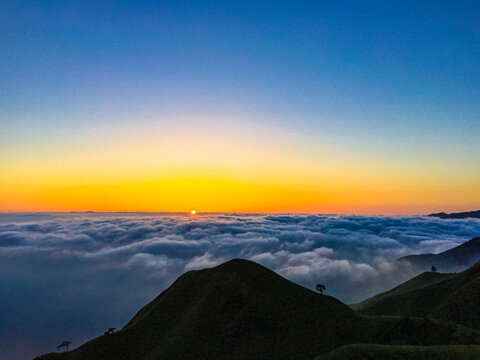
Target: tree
<point x="320" y="288"/>
<point x="434" y="269"/>
<point x="109" y="331"/>
<point x="64" y="344"/>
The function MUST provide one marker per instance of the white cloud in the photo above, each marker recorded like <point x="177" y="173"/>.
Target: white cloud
<point x="205" y="261"/>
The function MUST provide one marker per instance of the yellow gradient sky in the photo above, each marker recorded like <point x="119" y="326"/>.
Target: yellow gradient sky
<point x="210" y="166"/>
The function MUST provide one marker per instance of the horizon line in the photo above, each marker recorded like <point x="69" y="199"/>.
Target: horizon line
<point x="208" y="213"/>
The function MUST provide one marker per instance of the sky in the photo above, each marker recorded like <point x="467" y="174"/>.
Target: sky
<point x="366" y="107"/>
<point x="72" y="276"/>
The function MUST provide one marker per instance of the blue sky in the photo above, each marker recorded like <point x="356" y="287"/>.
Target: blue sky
<point x="309" y="56"/>
<point x="396" y="81"/>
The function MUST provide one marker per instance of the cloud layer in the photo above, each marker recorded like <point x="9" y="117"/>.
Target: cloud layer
<point x="71" y="276"/>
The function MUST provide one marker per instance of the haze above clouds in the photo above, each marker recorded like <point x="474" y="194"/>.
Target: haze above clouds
<point x="71" y="276"/>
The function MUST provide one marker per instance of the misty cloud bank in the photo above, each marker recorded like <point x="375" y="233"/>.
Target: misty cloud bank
<point x="71" y="276"/>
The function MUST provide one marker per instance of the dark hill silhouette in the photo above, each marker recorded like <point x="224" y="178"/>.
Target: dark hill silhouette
<point x="457" y="259"/>
<point x="459" y="215"/>
<point x="241" y="310"/>
<point x="397" y="352"/>
<point x="415" y="283"/>
<point x="451" y="297"/>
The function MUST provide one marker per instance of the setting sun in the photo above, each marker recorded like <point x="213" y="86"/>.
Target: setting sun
<point x="193" y="212"/>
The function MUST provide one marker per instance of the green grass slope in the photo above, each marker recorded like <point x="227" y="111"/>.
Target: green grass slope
<point x="241" y="310"/>
<point x="383" y="352"/>
<point x="451" y="297"/>
<point x="415" y="283"/>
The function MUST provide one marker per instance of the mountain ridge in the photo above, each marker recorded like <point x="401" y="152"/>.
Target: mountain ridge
<point x="458" y="215"/>
<point x="242" y="310"/>
<point x="450" y="297"/>
<point x="456" y="259"/>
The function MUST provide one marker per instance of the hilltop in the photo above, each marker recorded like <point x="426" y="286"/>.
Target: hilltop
<point x="457" y="259"/>
<point x="242" y="310"/>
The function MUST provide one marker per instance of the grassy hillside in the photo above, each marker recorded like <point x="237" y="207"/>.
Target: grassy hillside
<point x="418" y="282"/>
<point x="451" y="297"/>
<point x="241" y="310"/>
<point x="454" y="260"/>
<point x="383" y="352"/>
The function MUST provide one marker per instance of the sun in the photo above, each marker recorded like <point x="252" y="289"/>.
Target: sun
<point x="193" y="212"/>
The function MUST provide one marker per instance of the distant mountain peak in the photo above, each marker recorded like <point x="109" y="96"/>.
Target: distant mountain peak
<point x="458" y="215"/>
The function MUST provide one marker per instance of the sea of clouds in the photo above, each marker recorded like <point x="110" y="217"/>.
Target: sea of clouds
<point x="71" y="276"/>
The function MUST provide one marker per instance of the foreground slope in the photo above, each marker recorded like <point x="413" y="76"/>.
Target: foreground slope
<point x="457" y="259"/>
<point x="397" y="352"/>
<point x="241" y="310"/>
<point x="451" y="297"/>
<point x="417" y="282"/>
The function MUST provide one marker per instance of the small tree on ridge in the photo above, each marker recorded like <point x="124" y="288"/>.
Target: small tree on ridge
<point x="65" y="344"/>
<point x="320" y="288"/>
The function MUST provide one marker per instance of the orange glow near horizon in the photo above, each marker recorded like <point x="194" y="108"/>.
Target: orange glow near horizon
<point x="233" y="173"/>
